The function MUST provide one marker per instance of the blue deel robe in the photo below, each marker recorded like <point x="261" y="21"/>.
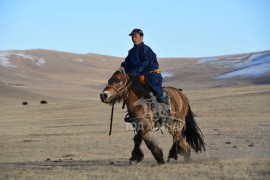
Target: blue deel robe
<point x="141" y="60"/>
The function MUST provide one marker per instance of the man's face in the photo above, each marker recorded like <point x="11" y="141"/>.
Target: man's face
<point x="137" y="39"/>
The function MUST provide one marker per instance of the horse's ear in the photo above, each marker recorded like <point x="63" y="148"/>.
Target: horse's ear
<point x="121" y="70"/>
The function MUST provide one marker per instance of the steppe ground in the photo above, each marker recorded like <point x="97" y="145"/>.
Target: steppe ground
<point x="69" y="140"/>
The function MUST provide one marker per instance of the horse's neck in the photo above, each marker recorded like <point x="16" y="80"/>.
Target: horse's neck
<point x="131" y="99"/>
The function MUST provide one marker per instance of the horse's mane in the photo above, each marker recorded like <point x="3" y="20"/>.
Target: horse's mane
<point x="140" y="89"/>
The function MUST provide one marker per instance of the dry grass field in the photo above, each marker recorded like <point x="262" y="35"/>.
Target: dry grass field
<point x="69" y="140"/>
<point x="68" y="137"/>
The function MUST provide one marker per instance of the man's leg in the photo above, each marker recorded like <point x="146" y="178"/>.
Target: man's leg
<point x="155" y="82"/>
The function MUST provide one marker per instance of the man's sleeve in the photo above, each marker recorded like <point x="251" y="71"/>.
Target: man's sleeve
<point x="125" y="66"/>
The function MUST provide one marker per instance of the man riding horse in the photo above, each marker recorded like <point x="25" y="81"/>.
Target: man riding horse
<point x="141" y="64"/>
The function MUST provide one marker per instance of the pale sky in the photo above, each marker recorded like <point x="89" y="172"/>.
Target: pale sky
<point x="172" y="28"/>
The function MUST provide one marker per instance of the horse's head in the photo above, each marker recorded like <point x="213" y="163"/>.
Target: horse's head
<point x="116" y="87"/>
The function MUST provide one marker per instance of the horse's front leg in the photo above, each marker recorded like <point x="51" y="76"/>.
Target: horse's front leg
<point x="137" y="154"/>
<point x="152" y="146"/>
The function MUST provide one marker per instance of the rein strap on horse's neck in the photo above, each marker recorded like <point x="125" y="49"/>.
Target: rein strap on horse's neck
<point x="110" y="132"/>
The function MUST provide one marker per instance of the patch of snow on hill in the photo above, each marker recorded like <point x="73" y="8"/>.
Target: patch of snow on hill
<point x="252" y="71"/>
<point x="4" y="58"/>
<point x="78" y="60"/>
<point x="166" y="74"/>
<point x="38" y="61"/>
<point x="105" y="60"/>
<point x="255" y="59"/>
<point x="256" y="65"/>
<point x="223" y="63"/>
<point x="4" y="61"/>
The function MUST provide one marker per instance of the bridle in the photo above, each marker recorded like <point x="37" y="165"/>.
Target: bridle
<point x="122" y="88"/>
<point x="118" y="91"/>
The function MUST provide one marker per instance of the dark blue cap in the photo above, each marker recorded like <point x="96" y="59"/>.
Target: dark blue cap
<point x="135" y="31"/>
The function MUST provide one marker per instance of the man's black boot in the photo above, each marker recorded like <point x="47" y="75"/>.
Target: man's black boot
<point x="163" y="99"/>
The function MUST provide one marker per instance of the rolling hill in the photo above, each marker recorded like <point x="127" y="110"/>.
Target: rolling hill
<point x="38" y="74"/>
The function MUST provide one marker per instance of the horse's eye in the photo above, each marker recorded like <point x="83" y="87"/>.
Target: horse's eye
<point x="118" y="81"/>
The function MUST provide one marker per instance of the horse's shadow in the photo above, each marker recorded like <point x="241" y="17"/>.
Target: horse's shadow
<point x="68" y="163"/>
<point x="74" y="164"/>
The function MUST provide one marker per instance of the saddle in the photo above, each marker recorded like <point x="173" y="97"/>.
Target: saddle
<point x="161" y="111"/>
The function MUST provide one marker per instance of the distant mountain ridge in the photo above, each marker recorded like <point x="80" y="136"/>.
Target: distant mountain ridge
<point x="243" y="65"/>
<point x="72" y="76"/>
<point x="255" y="64"/>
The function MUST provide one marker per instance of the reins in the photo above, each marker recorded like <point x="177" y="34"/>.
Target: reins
<point x="110" y="132"/>
<point x="125" y="86"/>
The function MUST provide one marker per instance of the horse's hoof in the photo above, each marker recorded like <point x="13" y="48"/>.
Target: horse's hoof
<point x="132" y="163"/>
<point x="174" y="157"/>
<point x="161" y="162"/>
<point x="170" y="160"/>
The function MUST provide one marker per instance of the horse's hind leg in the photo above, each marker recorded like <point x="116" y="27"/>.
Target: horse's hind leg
<point x="179" y="146"/>
<point x="173" y="152"/>
<point x="174" y="149"/>
<point x="152" y="146"/>
<point x="137" y="154"/>
<point x="183" y="147"/>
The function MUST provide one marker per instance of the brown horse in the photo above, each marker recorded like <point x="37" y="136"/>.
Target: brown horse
<point x="182" y="126"/>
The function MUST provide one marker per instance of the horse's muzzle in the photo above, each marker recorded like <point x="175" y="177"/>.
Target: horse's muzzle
<point x="104" y="97"/>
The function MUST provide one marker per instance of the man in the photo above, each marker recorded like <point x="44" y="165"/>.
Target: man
<point x="142" y="62"/>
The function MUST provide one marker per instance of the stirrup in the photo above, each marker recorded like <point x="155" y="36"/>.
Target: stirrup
<point x="164" y="99"/>
<point x="127" y="119"/>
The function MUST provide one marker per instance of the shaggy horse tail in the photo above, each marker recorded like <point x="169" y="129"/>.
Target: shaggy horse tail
<point x="193" y="134"/>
